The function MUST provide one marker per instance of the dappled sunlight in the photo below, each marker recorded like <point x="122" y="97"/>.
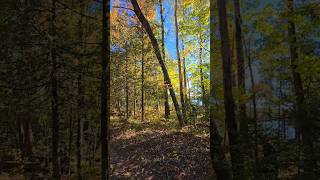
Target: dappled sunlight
<point x="159" y="89"/>
<point x="159" y="153"/>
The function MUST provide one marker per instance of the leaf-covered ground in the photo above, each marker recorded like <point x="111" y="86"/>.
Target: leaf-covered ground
<point x="159" y="150"/>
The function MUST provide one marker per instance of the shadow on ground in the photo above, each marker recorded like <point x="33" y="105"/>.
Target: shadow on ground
<point x="149" y="151"/>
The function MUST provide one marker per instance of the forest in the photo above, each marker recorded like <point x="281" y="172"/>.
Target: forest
<point x="160" y="89"/>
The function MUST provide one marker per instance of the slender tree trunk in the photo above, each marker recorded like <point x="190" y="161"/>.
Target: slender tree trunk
<point x="118" y="106"/>
<point x="70" y="140"/>
<point x="165" y="92"/>
<point x="185" y="78"/>
<point x="240" y="68"/>
<point x="20" y="133"/>
<point x="27" y="135"/>
<point x="227" y="83"/>
<point x="189" y="90"/>
<point x="142" y="77"/>
<point x="105" y="91"/>
<point x="241" y="84"/>
<point x="218" y="158"/>
<point x="179" y="59"/>
<point x="184" y="72"/>
<point x="54" y="98"/>
<point x="134" y="91"/>
<point x="80" y="97"/>
<point x="248" y="54"/>
<point x="155" y="45"/>
<point x="127" y="91"/>
<point x="304" y="124"/>
<point x="26" y="115"/>
<point x="279" y="112"/>
<point x="203" y="91"/>
<point x="79" y="126"/>
<point x="233" y="59"/>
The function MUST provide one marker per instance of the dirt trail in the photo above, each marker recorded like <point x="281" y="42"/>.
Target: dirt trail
<point x="154" y="151"/>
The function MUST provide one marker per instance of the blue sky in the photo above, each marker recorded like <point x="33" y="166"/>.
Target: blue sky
<point x="169" y="28"/>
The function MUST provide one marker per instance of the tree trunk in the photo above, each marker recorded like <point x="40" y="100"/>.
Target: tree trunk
<point x="27" y="135"/>
<point x="217" y="154"/>
<point x="184" y="63"/>
<point x="134" y="91"/>
<point x="142" y="76"/>
<point x="54" y="98"/>
<point x="203" y="92"/>
<point x="70" y="140"/>
<point x="179" y="59"/>
<point x="20" y="133"/>
<point x="184" y="72"/>
<point x="227" y="83"/>
<point x="240" y="68"/>
<point x="80" y="98"/>
<point x="165" y="92"/>
<point x="105" y="91"/>
<point x="155" y="45"/>
<point x="127" y="91"/>
<point x="79" y="126"/>
<point x="248" y="54"/>
<point x="303" y="123"/>
<point x="241" y="83"/>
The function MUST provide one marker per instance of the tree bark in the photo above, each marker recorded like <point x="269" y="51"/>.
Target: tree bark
<point x="184" y="63"/>
<point x="54" y="97"/>
<point x="70" y="139"/>
<point x="155" y="45"/>
<point x="241" y="83"/>
<point x="127" y="92"/>
<point x="227" y="86"/>
<point x="254" y="103"/>
<point x="79" y="126"/>
<point x="165" y="92"/>
<point x="80" y="97"/>
<point x="134" y="91"/>
<point x="105" y="91"/>
<point x="203" y="91"/>
<point x="184" y="73"/>
<point x="142" y="76"/>
<point x="179" y="59"/>
<point x="27" y="135"/>
<point x="217" y="154"/>
<point x="240" y="67"/>
<point x="303" y="123"/>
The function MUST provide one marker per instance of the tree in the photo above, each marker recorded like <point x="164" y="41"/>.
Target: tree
<point x="304" y="124"/>
<point x="142" y="75"/>
<point x="240" y="67"/>
<point x="54" y="96"/>
<point x="179" y="59"/>
<point x="155" y="45"/>
<point x="203" y="91"/>
<point x="184" y="72"/>
<point x="254" y="102"/>
<point x="105" y="91"/>
<point x="165" y="92"/>
<point x="241" y="80"/>
<point x="227" y="88"/>
<point x="127" y="88"/>
<point x="80" y="102"/>
<point x="218" y="158"/>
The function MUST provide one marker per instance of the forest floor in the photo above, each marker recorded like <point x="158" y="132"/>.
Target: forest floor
<point x="158" y="149"/>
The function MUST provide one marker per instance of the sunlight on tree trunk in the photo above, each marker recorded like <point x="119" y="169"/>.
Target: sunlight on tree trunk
<point x="155" y="45"/>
